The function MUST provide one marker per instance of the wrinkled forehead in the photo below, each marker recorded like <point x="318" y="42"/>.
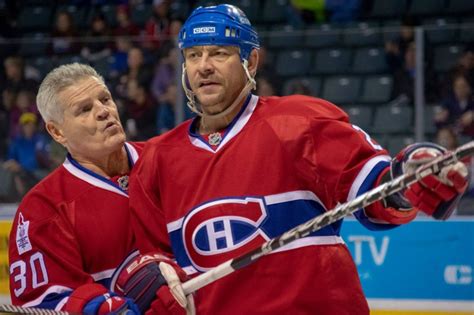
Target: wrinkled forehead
<point x="83" y="89"/>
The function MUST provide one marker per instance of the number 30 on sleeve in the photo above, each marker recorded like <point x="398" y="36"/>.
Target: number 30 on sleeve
<point x="39" y="275"/>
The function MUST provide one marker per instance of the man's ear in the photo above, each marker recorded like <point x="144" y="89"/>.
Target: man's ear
<point x="56" y="132"/>
<point x="253" y="62"/>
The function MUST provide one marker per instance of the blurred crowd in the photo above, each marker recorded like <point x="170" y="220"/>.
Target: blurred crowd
<point x="453" y="92"/>
<point x="141" y="76"/>
<point x="142" y="71"/>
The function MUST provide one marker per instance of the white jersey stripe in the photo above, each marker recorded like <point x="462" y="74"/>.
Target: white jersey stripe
<point x="241" y="122"/>
<point x="61" y="303"/>
<point x="53" y="289"/>
<point x="91" y="179"/>
<point x="77" y="172"/>
<point x="133" y="152"/>
<point x="303" y="242"/>
<point x="269" y="200"/>
<point x="291" y="196"/>
<point x="364" y="172"/>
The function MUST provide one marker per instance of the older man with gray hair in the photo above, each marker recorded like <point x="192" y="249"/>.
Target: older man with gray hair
<point x="71" y="231"/>
<point x="71" y="243"/>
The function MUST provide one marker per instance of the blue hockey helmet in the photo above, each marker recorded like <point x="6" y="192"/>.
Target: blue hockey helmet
<point x="223" y="25"/>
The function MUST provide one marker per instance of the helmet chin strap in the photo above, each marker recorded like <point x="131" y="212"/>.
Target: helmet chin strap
<point x="193" y="103"/>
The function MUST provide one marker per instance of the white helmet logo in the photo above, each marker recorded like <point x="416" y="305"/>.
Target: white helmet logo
<point x="204" y="30"/>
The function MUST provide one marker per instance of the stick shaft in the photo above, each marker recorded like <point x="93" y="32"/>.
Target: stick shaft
<point x="6" y="308"/>
<point x="329" y="217"/>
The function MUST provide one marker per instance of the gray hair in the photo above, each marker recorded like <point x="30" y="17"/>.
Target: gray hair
<point x="56" y="81"/>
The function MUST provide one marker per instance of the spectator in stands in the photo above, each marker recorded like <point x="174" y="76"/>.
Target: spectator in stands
<point x="28" y="155"/>
<point x="136" y="67"/>
<point x="136" y="70"/>
<point x="169" y="42"/>
<point x="395" y="49"/>
<point x="158" y="25"/>
<point x="7" y="103"/>
<point x="4" y="125"/>
<point x="7" y="29"/>
<point x="8" y="100"/>
<point x="304" y="12"/>
<point x="99" y="47"/>
<point x="125" y="26"/>
<point x="458" y="108"/>
<point x="120" y="56"/>
<point x="342" y="11"/>
<point x="466" y="63"/>
<point x="24" y="103"/>
<point x="15" y="77"/>
<point x="165" y="120"/>
<point x="464" y="66"/>
<point x="139" y="111"/>
<point x="165" y="73"/>
<point x="405" y="76"/>
<point x="64" y="36"/>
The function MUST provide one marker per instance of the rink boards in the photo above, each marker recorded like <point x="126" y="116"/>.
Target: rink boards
<point x="425" y="267"/>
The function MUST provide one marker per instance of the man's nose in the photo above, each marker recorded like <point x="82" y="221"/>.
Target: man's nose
<point x="102" y="111"/>
<point x="205" y="64"/>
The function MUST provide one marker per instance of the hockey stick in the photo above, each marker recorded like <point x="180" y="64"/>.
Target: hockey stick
<point x="6" y="308"/>
<point x="329" y="217"/>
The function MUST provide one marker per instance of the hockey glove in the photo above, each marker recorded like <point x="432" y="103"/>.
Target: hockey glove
<point x="94" y="299"/>
<point x="437" y="195"/>
<point x="153" y="281"/>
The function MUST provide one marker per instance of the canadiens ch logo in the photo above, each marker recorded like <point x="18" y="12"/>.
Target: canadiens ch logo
<point x="223" y="229"/>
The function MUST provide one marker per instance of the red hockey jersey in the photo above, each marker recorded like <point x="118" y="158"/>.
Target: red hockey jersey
<point x="70" y="229"/>
<point x="282" y="161"/>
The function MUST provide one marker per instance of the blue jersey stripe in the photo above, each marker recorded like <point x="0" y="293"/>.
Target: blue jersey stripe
<point x="366" y="186"/>
<point x="281" y="217"/>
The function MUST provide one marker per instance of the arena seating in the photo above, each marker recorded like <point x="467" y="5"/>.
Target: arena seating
<point x="344" y="63"/>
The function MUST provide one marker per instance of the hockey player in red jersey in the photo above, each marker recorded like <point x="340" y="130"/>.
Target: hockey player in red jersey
<point x="72" y="230"/>
<point x="249" y="168"/>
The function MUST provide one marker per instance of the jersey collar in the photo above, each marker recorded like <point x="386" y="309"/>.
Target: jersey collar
<point x="233" y="129"/>
<point x="76" y="169"/>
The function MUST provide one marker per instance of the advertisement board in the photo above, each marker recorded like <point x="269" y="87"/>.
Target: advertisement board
<point x="424" y="265"/>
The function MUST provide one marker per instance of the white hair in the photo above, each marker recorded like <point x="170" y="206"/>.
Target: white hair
<point x="56" y="81"/>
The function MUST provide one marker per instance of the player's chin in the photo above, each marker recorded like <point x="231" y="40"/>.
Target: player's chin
<point x="117" y="139"/>
<point x="210" y="102"/>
